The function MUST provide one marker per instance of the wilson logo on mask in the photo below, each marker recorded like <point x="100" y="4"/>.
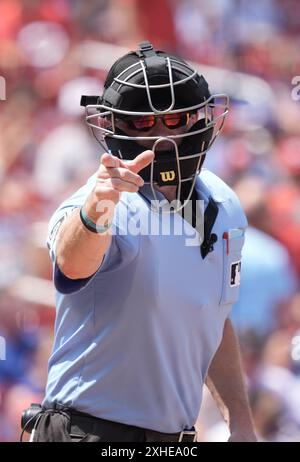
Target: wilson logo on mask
<point x="167" y="176"/>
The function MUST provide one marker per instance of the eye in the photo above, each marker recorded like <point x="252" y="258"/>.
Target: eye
<point x="176" y="120"/>
<point x="143" y="122"/>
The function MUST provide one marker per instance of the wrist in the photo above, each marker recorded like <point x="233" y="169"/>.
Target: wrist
<point x="100" y="226"/>
<point x="99" y="210"/>
<point x="241" y="423"/>
<point x="243" y="437"/>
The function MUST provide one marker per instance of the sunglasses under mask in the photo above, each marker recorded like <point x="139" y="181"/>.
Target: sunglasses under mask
<point x="147" y="122"/>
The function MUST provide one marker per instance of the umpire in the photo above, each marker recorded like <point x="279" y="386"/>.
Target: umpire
<point x="142" y="316"/>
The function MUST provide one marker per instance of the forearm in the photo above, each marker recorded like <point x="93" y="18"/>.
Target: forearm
<point x="79" y="251"/>
<point x="226" y="382"/>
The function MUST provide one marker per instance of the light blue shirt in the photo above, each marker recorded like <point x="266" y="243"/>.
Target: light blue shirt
<point x="134" y="342"/>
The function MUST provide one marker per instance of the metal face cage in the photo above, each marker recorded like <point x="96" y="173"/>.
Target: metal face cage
<point x="178" y="83"/>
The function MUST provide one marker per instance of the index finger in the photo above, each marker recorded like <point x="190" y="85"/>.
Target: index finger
<point x="110" y="161"/>
<point x="141" y="161"/>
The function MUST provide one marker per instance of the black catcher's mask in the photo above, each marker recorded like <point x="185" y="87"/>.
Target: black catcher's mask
<point x="144" y="85"/>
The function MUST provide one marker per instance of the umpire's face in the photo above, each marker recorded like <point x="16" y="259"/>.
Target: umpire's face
<point x="157" y="126"/>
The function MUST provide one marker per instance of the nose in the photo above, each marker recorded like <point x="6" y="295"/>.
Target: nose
<point x="160" y="128"/>
<point x="161" y="131"/>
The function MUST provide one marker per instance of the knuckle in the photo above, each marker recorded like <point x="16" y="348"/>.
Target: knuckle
<point x="115" y="182"/>
<point x="104" y="159"/>
<point x="102" y="170"/>
<point x="122" y="173"/>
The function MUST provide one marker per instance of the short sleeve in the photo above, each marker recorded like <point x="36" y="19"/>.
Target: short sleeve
<point x="65" y="285"/>
<point x="122" y="250"/>
<point x="54" y="226"/>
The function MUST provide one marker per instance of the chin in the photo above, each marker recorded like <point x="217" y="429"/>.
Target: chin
<point x="161" y="147"/>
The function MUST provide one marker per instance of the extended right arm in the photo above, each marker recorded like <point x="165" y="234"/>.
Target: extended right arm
<point x="79" y="252"/>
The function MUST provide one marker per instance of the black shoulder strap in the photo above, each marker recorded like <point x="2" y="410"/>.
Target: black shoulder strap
<point x="210" y="216"/>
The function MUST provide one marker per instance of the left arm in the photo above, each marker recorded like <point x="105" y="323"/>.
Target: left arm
<point x="226" y="384"/>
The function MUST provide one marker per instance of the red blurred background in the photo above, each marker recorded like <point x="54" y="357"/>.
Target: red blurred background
<point x="53" y="51"/>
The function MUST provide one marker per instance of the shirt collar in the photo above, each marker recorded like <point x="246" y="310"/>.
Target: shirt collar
<point x="203" y="191"/>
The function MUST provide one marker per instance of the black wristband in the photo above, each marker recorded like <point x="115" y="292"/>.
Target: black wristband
<point x="90" y="225"/>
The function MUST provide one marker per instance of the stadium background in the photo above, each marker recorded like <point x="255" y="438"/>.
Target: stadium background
<point x="50" y="53"/>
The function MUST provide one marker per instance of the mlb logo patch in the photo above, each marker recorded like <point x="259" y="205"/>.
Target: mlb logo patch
<point x="235" y="273"/>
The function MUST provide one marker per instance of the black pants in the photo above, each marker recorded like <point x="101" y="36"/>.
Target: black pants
<point x="73" y="426"/>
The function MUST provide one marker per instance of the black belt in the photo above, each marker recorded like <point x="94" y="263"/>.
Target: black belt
<point x="82" y="424"/>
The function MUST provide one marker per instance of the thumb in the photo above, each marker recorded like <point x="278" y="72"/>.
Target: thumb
<point x="141" y="161"/>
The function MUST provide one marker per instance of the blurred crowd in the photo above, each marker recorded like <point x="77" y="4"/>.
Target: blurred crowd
<point x="46" y="152"/>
